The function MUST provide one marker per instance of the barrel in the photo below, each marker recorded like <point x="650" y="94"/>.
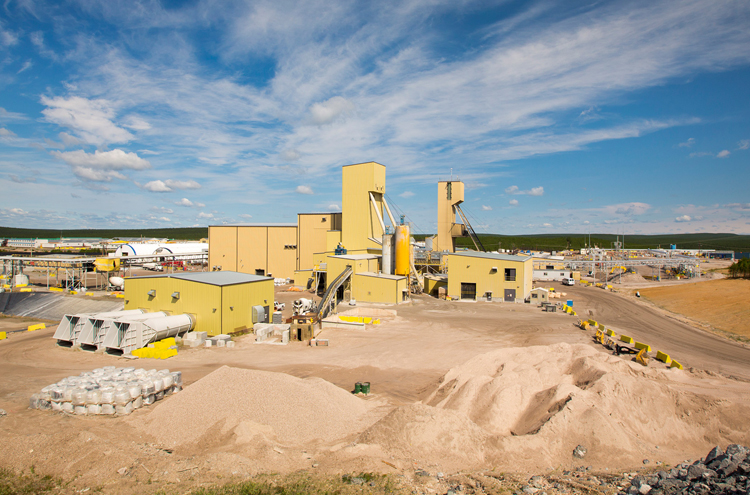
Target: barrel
<point x="365" y="388"/>
<point x="358" y="388"/>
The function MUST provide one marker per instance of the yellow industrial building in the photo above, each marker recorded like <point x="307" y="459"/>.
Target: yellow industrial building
<point x="307" y="250"/>
<point x="219" y="302"/>
<point x="475" y="275"/>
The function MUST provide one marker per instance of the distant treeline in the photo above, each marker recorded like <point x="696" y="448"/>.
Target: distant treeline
<point x="187" y="234"/>
<point x="492" y="242"/>
<point x="560" y="242"/>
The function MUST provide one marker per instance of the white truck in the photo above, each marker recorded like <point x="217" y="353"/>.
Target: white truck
<point x="568" y="281"/>
<point x="302" y="306"/>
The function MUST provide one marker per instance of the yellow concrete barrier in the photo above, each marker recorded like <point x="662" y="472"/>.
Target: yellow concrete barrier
<point x="675" y="364"/>
<point x="626" y="339"/>
<point x="3" y="335"/>
<point x="74" y="292"/>
<point x="574" y="313"/>
<point x="121" y="296"/>
<point x="641" y="345"/>
<point x="22" y="285"/>
<point x="89" y="293"/>
<point x="55" y="289"/>
<point x="602" y="327"/>
<point x="38" y="326"/>
<point x="376" y="321"/>
<point x="25" y="290"/>
<point x="610" y="332"/>
<point x="593" y="322"/>
<point x="6" y="286"/>
<point x="663" y="357"/>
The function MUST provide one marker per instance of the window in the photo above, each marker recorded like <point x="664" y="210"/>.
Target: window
<point x="533" y="295"/>
<point x="510" y="274"/>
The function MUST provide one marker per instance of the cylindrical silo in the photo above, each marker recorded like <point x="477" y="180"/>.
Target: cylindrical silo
<point x="428" y="244"/>
<point x="402" y="249"/>
<point x="388" y="253"/>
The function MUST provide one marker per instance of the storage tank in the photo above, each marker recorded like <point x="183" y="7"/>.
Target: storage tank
<point x="402" y="250"/>
<point x="388" y="254"/>
<point x="428" y="243"/>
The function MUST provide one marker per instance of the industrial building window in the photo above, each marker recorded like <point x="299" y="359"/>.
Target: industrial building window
<point x="290" y="246"/>
<point x="510" y="274"/>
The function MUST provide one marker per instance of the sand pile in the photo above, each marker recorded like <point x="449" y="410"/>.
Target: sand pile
<point x="531" y="407"/>
<point x="238" y="406"/>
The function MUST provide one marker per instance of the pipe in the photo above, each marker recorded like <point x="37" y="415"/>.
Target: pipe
<point x="377" y="212"/>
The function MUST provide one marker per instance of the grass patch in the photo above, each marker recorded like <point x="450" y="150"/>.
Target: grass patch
<point x="13" y="483"/>
<point x="305" y="484"/>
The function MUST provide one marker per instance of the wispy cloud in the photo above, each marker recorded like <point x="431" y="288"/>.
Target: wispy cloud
<point x="304" y="190"/>
<point x="534" y="191"/>
<point x="723" y="154"/>
<point x="687" y="144"/>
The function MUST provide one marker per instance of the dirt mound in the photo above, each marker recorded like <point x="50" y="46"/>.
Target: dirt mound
<point x="422" y="431"/>
<point x="531" y="407"/>
<point x="247" y="407"/>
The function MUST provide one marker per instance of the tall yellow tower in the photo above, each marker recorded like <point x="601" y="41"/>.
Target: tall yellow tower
<point x="450" y="194"/>
<point x="363" y="187"/>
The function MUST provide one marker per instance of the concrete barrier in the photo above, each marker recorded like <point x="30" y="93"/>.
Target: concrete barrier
<point x="611" y="332"/>
<point x="626" y="339"/>
<point x="38" y="326"/>
<point x="56" y="289"/>
<point x="641" y="345"/>
<point x="25" y="290"/>
<point x="675" y="364"/>
<point x="3" y="335"/>
<point x="663" y="357"/>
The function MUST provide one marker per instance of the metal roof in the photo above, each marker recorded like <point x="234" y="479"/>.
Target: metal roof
<point x="381" y="275"/>
<point x="212" y="278"/>
<point x="492" y="256"/>
<point x="355" y="256"/>
<point x="256" y="225"/>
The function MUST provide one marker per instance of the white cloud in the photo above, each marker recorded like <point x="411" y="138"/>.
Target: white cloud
<point x="18" y="211"/>
<point x="304" y="190"/>
<point x="406" y="194"/>
<point x="683" y="218"/>
<point x="205" y="215"/>
<point x="330" y="110"/>
<point x="69" y="140"/>
<point x="90" y="119"/>
<point x="723" y="154"/>
<point x="156" y="186"/>
<point x="627" y="209"/>
<point x="182" y="184"/>
<point x="116" y="159"/>
<point x="687" y="144"/>
<point x="136" y="123"/>
<point x="97" y="175"/>
<point x="245" y="216"/>
<point x="290" y="155"/>
<point x="744" y="144"/>
<point x="546" y="225"/>
<point x="5" y="133"/>
<point x="188" y="203"/>
<point x="334" y="207"/>
<point x="534" y="191"/>
<point x="161" y="209"/>
<point x="6" y="115"/>
<point x="486" y="208"/>
<point x="698" y="154"/>
<point x="26" y="66"/>
<point x="7" y="38"/>
<point x="513" y="202"/>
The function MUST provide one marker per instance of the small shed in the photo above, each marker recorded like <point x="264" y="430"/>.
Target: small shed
<point x="539" y="295"/>
<point x="220" y="302"/>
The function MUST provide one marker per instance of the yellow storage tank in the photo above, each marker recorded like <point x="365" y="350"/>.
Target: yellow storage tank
<point x="402" y="250"/>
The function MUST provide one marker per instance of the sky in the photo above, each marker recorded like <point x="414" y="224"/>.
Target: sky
<point x="622" y="117"/>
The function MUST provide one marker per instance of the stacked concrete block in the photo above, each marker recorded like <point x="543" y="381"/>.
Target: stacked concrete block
<point x="194" y="339"/>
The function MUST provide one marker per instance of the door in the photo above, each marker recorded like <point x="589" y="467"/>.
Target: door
<point x="510" y="295"/>
<point x="468" y="291"/>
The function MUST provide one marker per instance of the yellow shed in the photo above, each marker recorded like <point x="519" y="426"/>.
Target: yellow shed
<point x="220" y="302"/>
<point x="473" y="275"/>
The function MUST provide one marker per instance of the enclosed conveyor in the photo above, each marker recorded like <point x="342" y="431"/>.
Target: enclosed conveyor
<point x="70" y="328"/>
<point x="125" y="336"/>
<point x="95" y="327"/>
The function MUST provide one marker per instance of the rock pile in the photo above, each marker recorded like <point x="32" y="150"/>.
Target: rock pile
<point x="719" y="473"/>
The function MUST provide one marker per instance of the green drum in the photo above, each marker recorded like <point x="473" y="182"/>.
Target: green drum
<point x="365" y="388"/>
<point x="358" y="388"/>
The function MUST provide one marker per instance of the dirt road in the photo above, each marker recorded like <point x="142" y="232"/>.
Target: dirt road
<point x="689" y="345"/>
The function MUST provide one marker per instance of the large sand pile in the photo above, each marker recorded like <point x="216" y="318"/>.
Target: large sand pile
<point x="530" y="407"/>
<point x="233" y="406"/>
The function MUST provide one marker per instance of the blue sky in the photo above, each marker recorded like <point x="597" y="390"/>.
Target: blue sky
<point x="615" y="117"/>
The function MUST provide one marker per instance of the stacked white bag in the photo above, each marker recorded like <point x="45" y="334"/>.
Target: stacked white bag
<point x="108" y="391"/>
